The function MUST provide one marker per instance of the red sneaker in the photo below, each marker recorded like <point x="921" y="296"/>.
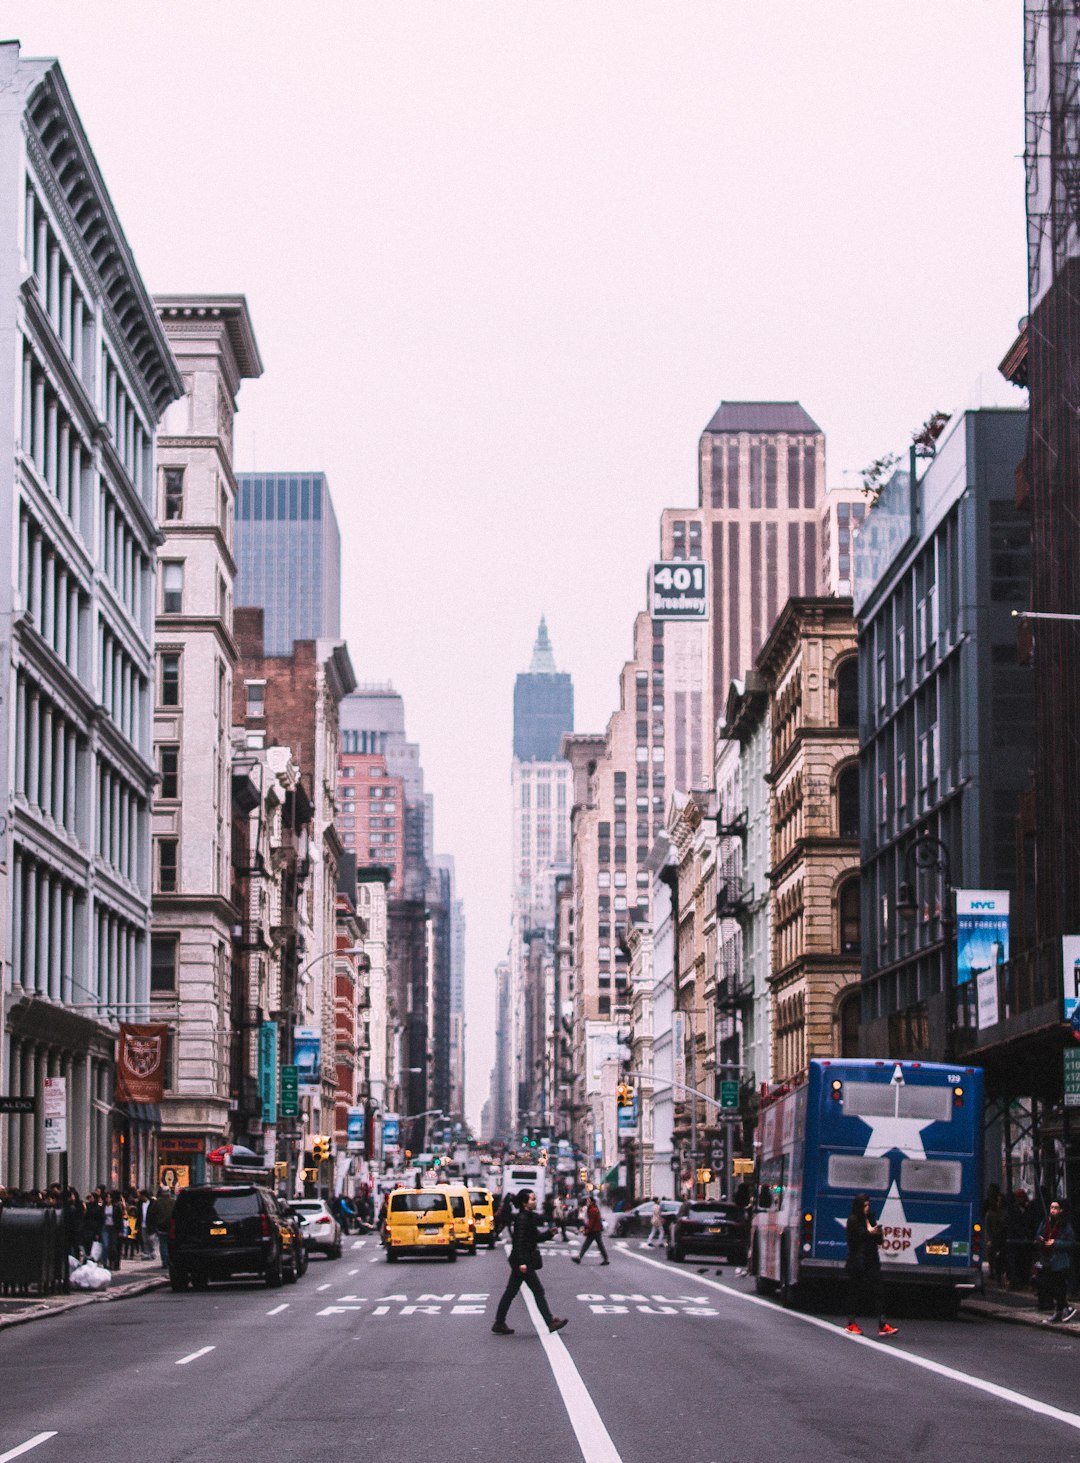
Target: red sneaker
<point x="854" y="1328"/>
<point x="887" y="1330"/>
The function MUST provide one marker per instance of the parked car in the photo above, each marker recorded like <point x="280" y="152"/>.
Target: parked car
<point x="638" y="1221"/>
<point x="322" y="1232"/>
<point x="709" y="1227"/>
<point x="221" y="1230"/>
<point x="299" y="1247"/>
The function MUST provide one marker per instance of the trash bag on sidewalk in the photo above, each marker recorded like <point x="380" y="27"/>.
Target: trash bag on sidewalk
<point x="91" y="1277"/>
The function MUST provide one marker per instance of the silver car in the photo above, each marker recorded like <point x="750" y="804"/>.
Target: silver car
<point x="322" y="1232"/>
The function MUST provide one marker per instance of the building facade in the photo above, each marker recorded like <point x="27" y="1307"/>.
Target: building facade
<point x="85" y="379"/>
<point x="288" y="556"/>
<point x="194" y="957"/>
<point x="810" y="665"/>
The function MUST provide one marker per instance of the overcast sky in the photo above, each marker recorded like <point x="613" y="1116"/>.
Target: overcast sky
<point x="505" y="257"/>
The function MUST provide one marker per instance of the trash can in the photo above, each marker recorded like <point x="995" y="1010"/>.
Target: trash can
<point x="32" y="1252"/>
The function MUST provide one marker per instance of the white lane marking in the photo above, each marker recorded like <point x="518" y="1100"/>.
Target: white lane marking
<point x="194" y="1356"/>
<point x="593" y="1437"/>
<point x="356" y="1244"/>
<point x="33" y="1442"/>
<point x="1006" y="1394"/>
<point x="284" y="1306"/>
<point x="323" y="1287"/>
<point x="354" y="1272"/>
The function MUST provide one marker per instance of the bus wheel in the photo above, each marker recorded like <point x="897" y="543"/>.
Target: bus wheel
<point x="788" y="1292"/>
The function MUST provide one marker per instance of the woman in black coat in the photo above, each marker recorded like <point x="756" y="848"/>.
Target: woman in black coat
<point x="864" y="1240"/>
<point x="525" y="1261"/>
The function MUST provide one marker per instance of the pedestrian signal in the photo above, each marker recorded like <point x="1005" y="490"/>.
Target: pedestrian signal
<point x="311" y="1175"/>
<point x="281" y="1170"/>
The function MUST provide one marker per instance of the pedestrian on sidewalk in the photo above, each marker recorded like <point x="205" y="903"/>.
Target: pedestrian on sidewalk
<point x="560" y="1215"/>
<point x="93" y="1217"/>
<point x="864" y="1240"/>
<point x="656" y="1225"/>
<point x="1055" y="1241"/>
<point x="525" y="1262"/>
<point x="594" y="1232"/>
<point x="159" y="1216"/>
<point x="144" y="1224"/>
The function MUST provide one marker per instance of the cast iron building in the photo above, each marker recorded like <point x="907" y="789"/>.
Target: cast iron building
<point x="288" y="556"/>
<point x="84" y="378"/>
<point x="946" y="718"/>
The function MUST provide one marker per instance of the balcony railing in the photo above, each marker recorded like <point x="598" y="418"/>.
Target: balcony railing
<point x="733" y="898"/>
<point x="1030" y="982"/>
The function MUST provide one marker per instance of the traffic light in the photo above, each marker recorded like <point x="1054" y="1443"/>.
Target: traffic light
<point x="320" y="1149"/>
<point x="311" y="1175"/>
<point x="624" y="1094"/>
<point x="408" y="1154"/>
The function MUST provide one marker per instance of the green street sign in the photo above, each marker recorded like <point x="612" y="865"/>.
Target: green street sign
<point x="290" y="1103"/>
<point x="729" y="1096"/>
<point x="1071" y="1059"/>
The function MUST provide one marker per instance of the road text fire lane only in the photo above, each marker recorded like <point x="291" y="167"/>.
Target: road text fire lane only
<point x="430" y="1303"/>
<point x="617" y="1304"/>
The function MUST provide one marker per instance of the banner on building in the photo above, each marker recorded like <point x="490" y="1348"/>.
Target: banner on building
<point x="140" y="1063"/>
<point x="354" y="1132"/>
<point x="982" y="932"/>
<point x="628" y="1119"/>
<point x="54" y="1108"/>
<point x="391" y="1132"/>
<point x="307" y="1055"/>
<point x="678" y="1056"/>
<point x="268" y="1070"/>
<point x="601" y="1047"/>
<point x="1070" y="980"/>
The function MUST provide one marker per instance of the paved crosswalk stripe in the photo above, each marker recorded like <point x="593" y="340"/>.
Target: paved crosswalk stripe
<point x="1006" y="1394"/>
<point x="194" y="1355"/>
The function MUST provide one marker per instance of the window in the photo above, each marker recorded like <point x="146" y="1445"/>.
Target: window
<point x="167" y="851"/>
<point x="855" y="1171"/>
<point x="847" y="692"/>
<point x="170" y="679"/>
<point x="172" y="588"/>
<point x="847" y="802"/>
<point x="930" y="1176"/>
<point x="850" y="924"/>
<point x="174" y="493"/>
<point x="163" y="952"/>
<point x="605" y="1005"/>
<point x="169" y="770"/>
<point x="850" y="1017"/>
<point x="256" y="698"/>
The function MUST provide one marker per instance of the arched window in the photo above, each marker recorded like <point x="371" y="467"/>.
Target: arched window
<point x="850" y="920"/>
<point x="850" y="1015"/>
<point x="847" y="802"/>
<point x="847" y="692"/>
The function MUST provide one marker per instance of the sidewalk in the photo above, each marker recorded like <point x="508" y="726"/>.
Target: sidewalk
<point x="1015" y="1307"/>
<point x="134" y="1278"/>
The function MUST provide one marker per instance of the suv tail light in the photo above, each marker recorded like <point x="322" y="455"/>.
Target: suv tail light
<point x="264" y="1222"/>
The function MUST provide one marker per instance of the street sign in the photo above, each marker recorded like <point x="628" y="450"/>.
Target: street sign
<point x="55" y="1113"/>
<point x="1071" y="1058"/>
<point x="677" y="590"/>
<point x="729" y="1096"/>
<point x="290" y="1101"/>
<point x="23" y="1105"/>
<point x="268" y="1070"/>
<point x="716" y="1153"/>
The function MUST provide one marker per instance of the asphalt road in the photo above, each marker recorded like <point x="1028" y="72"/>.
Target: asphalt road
<point x="363" y="1360"/>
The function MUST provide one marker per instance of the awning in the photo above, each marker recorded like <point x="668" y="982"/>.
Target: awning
<point x="148" y="1114"/>
<point x="612" y="1175"/>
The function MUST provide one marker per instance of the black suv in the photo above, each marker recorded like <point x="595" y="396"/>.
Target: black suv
<point x="709" y="1227"/>
<point x="220" y="1230"/>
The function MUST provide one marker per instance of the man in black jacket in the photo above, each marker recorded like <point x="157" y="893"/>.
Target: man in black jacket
<point x="525" y="1261"/>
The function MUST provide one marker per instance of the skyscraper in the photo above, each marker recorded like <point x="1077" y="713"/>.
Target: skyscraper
<point x="288" y="556"/>
<point x="541" y="791"/>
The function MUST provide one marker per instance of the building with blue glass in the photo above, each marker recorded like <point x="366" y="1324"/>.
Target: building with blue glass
<point x="288" y="556"/>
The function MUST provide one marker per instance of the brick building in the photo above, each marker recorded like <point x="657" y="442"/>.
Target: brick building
<point x="809" y="663"/>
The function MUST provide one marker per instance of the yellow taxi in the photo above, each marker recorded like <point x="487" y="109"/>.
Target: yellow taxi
<point x="464" y="1223"/>
<point x="419" y="1222"/>
<point x="483" y="1208"/>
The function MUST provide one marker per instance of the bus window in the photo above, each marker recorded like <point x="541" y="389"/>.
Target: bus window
<point x="930" y="1176"/>
<point x="772" y="1181"/>
<point x="881" y="1100"/>
<point x="856" y="1171"/>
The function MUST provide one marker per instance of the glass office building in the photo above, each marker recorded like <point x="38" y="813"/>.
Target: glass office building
<point x="288" y="556"/>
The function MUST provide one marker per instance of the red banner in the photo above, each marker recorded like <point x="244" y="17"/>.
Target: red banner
<point x="140" y="1063"/>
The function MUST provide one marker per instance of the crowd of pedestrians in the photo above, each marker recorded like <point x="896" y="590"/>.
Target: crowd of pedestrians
<point x="106" y="1225"/>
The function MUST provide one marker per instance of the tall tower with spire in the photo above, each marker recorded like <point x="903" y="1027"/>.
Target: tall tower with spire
<point x="543" y="704"/>
<point x="540" y="781"/>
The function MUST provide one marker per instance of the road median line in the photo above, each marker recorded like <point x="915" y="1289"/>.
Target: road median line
<point x="592" y="1436"/>
<point x="1005" y="1394"/>
<point x="33" y="1442"/>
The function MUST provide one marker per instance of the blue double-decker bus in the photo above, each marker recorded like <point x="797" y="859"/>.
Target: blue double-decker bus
<point x="908" y="1134"/>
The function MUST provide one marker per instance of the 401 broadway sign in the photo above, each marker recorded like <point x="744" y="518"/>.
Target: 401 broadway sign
<point x="678" y="590"/>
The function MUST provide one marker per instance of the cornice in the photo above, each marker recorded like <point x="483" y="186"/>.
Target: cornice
<point x="177" y="528"/>
<point x="168" y="627"/>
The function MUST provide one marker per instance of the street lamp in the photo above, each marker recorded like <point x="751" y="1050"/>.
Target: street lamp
<point x="924" y="852"/>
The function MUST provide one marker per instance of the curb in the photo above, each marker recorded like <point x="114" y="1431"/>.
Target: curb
<point x="44" y="1309"/>
<point x="1014" y="1317"/>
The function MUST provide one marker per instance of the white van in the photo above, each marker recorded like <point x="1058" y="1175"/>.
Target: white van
<point x="525" y="1176"/>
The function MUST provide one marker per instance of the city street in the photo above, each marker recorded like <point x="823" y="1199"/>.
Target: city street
<point x="364" y="1359"/>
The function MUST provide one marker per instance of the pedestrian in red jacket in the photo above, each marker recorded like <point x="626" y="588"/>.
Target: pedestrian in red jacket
<point x="594" y="1233"/>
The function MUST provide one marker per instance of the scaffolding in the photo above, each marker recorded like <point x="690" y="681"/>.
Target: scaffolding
<point x="1052" y="139"/>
